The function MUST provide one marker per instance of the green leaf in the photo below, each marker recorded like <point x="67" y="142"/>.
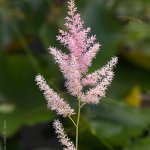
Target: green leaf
<point x="117" y="122"/>
<point x="121" y="114"/>
<point x="88" y="133"/>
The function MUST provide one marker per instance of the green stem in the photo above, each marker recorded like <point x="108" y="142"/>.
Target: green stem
<point x="82" y="105"/>
<point x="77" y="124"/>
<point x="72" y="121"/>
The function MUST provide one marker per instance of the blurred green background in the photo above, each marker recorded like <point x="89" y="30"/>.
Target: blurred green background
<point x="121" y="121"/>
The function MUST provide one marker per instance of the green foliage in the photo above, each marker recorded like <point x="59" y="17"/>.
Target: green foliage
<point x="19" y="90"/>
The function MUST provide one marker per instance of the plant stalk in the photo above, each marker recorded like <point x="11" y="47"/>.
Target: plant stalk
<point x="77" y="124"/>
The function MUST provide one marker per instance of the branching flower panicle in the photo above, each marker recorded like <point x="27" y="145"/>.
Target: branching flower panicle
<point x="74" y="67"/>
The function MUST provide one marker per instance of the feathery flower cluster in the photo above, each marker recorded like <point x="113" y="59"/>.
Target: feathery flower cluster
<point x="74" y="66"/>
<point x="63" y="138"/>
<point x="54" y="101"/>
<point x="97" y="76"/>
<point x="100" y="79"/>
<point x="80" y="45"/>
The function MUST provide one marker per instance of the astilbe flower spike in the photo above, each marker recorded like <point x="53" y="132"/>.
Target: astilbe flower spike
<point x="82" y="46"/>
<point x="54" y="101"/>
<point x="98" y="75"/>
<point x="70" y="68"/>
<point x="74" y="66"/>
<point x="63" y="138"/>
<point x="101" y="79"/>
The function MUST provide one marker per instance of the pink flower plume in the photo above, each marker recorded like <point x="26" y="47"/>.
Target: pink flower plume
<point x="74" y="66"/>
<point x="100" y="79"/>
<point x="93" y="78"/>
<point x="73" y="82"/>
<point x="76" y="39"/>
<point x="54" y="101"/>
<point x="87" y="87"/>
<point x="63" y="138"/>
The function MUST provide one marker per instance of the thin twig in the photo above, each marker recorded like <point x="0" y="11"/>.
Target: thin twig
<point x="72" y="121"/>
